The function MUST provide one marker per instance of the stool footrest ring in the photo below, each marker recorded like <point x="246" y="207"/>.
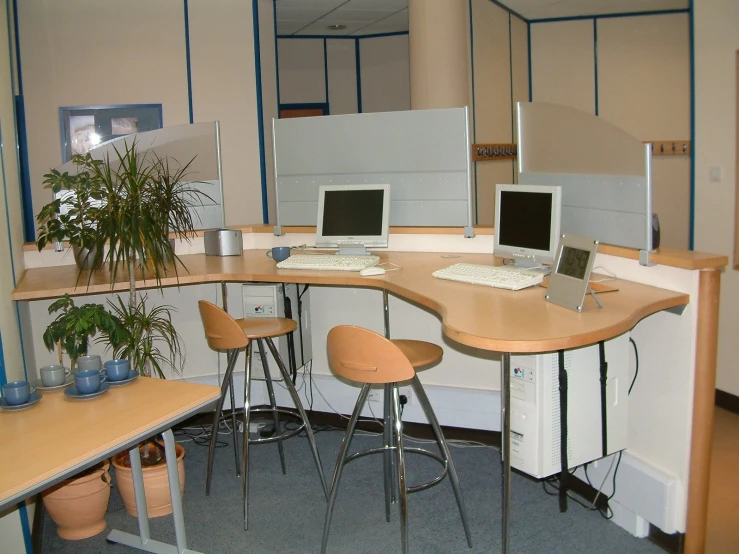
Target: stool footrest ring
<point x="285" y="434"/>
<point x="408" y="450"/>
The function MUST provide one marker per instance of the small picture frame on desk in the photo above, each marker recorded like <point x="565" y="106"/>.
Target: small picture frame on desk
<point x="568" y="283"/>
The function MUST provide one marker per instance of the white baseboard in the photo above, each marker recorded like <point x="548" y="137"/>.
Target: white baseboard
<point x="643" y="492"/>
<point x="454" y="407"/>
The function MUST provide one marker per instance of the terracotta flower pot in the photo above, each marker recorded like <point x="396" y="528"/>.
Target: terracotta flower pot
<point x="156" y="484"/>
<point x="78" y="505"/>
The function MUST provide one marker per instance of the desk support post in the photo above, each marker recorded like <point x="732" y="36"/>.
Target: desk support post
<point x="387" y="457"/>
<point x="139" y="494"/>
<point x="174" y="490"/>
<point x="505" y="444"/>
<point x="143" y="540"/>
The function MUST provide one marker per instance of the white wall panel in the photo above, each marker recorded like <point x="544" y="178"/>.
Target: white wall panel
<point x="383" y="63"/>
<point x="342" y="76"/>
<point x="562" y="63"/>
<point x="301" y="71"/>
<point x="716" y="45"/>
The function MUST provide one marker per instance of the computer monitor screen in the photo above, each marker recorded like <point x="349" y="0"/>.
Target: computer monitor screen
<point x="353" y="217"/>
<point x="527" y="219"/>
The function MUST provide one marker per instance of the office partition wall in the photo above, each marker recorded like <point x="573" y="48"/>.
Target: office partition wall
<point x="604" y="172"/>
<point x="422" y="154"/>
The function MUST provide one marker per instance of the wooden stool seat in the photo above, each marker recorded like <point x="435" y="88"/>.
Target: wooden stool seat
<point x="419" y="353"/>
<point x="363" y="356"/>
<point x="263" y="327"/>
<point x="225" y="333"/>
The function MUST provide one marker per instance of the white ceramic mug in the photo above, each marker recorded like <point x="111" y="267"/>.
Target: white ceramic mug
<point x="53" y="375"/>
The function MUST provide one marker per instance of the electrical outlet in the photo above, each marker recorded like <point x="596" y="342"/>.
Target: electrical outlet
<point x="378" y="395"/>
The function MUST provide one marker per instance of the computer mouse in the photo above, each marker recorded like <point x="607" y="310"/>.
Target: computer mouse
<point x="374" y="270"/>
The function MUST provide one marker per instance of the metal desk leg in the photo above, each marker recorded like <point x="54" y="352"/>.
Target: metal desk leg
<point x="143" y="541"/>
<point x="505" y="443"/>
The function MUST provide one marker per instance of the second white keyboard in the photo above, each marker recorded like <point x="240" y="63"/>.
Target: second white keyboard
<point x="501" y="277"/>
<point x="328" y="262"/>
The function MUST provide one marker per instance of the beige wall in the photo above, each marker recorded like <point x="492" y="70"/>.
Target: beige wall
<point x="383" y="65"/>
<point x="493" y="122"/>
<point x="142" y="62"/>
<point x="716" y="42"/>
<point x="223" y="88"/>
<point x="342" y="76"/>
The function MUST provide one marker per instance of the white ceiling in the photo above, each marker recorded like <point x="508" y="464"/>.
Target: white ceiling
<point x="369" y="17"/>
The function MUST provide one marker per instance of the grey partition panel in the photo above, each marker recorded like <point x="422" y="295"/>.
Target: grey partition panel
<point x="604" y="172"/>
<point x="196" y="144"/>
<point x="422" y="154"/>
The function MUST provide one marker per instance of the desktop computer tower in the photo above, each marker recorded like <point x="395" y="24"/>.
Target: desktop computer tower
<point x="535" y="407"/>
<point x="268" y="300"/>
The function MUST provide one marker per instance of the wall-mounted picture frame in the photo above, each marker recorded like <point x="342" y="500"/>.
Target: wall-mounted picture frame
<point x="85" y="127"/>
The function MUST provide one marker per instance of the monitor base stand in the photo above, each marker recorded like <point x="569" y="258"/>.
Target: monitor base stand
<point x="533" y="266"/>
<point x="354" y="249"/>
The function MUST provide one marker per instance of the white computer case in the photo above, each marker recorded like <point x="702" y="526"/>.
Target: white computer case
<point x="268" y="300"/>
<point x="535" y="411"/>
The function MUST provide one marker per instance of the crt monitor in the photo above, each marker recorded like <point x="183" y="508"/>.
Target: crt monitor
<point x="527" y="222"/>
<point x="353" y="217"/>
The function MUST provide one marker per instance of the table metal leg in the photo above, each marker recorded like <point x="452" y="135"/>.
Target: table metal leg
<point x="387" y="439"/>
<point x="143" y="540"/>
<point x="505" y="443"/>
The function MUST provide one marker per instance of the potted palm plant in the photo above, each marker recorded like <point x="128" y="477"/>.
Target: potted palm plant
<point x="147" y="199"/>
<point x="125" y="209"/>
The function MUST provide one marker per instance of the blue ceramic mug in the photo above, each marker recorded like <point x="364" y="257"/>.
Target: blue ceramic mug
<point x="89" y="381"/>
<point x="117" y="370"/>
<point x="17" y="392"/>
<point x="279" y="253"/>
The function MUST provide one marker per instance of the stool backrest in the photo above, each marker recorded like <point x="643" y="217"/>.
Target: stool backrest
<point x="221" y="330"/>
<point x="363" y="356"/>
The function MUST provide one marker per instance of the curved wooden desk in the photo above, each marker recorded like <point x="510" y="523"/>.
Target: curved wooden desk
<point x="489" y="319"/>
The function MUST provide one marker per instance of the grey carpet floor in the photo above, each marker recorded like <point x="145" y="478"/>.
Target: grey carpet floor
<point x="286" y="512"/>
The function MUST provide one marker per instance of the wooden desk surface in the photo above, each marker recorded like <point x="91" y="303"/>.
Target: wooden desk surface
<point x="491" y="319"/>
<point x="59" y="434"/>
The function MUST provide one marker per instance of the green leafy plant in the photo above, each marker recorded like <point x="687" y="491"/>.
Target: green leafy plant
<point x="74" y="213"/>
<point x="75" y="325"/>
<point x="144" y="330"/>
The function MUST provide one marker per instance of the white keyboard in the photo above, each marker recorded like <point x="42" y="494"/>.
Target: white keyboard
<point x="501" y="277"/>
<point x="328" y="262"/>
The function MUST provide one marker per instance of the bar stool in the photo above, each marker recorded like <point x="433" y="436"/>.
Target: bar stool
<point x="223" y="332"/>
<point x="365" y="357"/>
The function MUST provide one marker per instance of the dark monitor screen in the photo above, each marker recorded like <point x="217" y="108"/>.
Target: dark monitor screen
<point x="353" y="213"/>
<point x="525" y="219"/>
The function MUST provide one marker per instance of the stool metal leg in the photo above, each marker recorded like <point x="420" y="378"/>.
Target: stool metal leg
<point x="333" y="491"/>
<point x="303" y="416"/>
<point x="272" y="403"/>
<point x="245" y="435"/>
<point x="233" y="418"/>
<point x="441" y="441"/>
<point x="227" y="380"/>
<point x="400" y="467"/>
<point x="387" y="456"/>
